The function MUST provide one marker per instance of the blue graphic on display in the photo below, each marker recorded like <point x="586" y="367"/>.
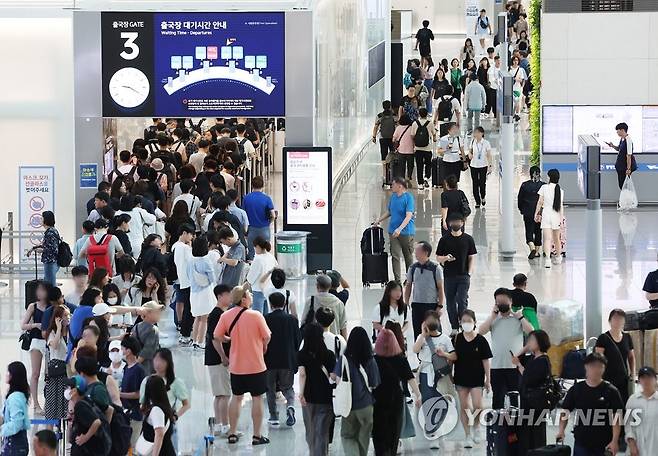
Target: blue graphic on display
<point x="219" y="64"/>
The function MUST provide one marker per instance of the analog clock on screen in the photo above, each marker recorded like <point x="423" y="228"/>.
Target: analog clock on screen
<point x="129" y="87"/>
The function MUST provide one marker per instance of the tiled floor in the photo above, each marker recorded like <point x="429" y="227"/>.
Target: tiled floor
<point x="629" y="253"/>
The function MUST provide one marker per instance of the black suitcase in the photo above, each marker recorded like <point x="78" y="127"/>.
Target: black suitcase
<point x="31" y="285"/>
<point x="551" y="450"/>
<point x="649" y="320"/>
<point x="502" y="439"/>
<point x="438" y="172"/>
<point x="374" y="269"/>
<point x="394" y="169"/>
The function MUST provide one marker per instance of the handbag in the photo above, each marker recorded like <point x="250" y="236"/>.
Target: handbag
<point x="408" y="430"/>
<point x="342" y="396"/>
<point x="544" y="397"/>
<point x="466" y="208"/>
<point x="396" y="144"/>
<point x="26" y="340"/>
<point x="55" y="368"/>
<point x="440" y="364"/>
<point x="143" y="447"/>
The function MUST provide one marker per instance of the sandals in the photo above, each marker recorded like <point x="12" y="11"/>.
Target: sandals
<point x="259" y="440"/>
<point x="233" y="438"/>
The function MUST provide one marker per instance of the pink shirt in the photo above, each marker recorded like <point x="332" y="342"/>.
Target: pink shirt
<point x="247" y="340"/>
<point x="406" y="139"/>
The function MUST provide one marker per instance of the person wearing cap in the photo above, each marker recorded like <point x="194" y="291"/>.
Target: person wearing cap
<point x="324" y="299"/>
<point x="401" y="228"/>
<point x="249" y="335"/>
<point x="114" y="247"/>
<point x="456" y="253"/>
<point x="147" y="334"/>
<point x="641" y="434"/>
<point x="85" y="425"/>
<point x="117" y="364"/>
<point x="337" y="280"/>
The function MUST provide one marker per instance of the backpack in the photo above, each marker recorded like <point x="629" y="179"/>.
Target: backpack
<point x="172" y="272"/>
<point x="429" y="266"/>
<point x="445" y="108"/>
<point x="422" y="137"/>
<point x="372" y="241"/>
<point x="128" y="178"/>
<point x="310" y="315"/>
<point x="98" y="254"/>
<point x="121" y="432"/>
<point x="169" y="186"/>
<point x="151" y="133"/>
<point x="241" y="144"/>
<point x="64" y="255"/>
<point x="406" y="81"/>
<point x="386" y="125"/>
<point x="484" y="23"/>
<point x="104" y="434"/>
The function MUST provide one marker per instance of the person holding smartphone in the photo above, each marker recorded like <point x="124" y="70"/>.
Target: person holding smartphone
<point x="625" y="163"/>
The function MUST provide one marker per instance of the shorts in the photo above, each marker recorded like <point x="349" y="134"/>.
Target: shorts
<point x="220" y="380"/>
<point x="254" y="384"/>
<point x="468" y="388"/>
<point x="39" y="345"/>
<point x="183" y="295"/>
<point x="550" y="219"/>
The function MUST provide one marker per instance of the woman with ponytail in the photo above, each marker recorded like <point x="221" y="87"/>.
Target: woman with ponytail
<point x="549" y="213"/>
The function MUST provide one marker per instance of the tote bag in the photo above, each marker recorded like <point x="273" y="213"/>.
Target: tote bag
<point x="342" y="399"/>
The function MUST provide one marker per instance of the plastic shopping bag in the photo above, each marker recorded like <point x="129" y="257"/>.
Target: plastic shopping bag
<point x="627" y="197"/>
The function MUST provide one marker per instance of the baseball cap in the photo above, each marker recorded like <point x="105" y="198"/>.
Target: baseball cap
<point x="646" y="371"/>
<point x="157" y="164"/>
<point x="77" y="382"/>
<point x="152" y="305"/>
<point x="102" y="309"/>
<point x="115" y="345"/>
<point x="239" y="292"/>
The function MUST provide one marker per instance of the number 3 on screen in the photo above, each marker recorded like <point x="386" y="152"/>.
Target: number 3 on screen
<point x="130" y="38"/>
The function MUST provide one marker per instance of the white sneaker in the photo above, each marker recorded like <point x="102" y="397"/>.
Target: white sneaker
<point x="475" y="436"/>
<point x="547" y="262"/>
<point x="436" y="444"/>
<point x="184" y="340"/>
<point x="468" y="443"/>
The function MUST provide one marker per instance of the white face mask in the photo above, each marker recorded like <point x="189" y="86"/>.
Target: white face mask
<point x="115" y="357"/>
<point x="468" y="327"/>
<point x="112" y="301"/>
<point x="67" y="394"/>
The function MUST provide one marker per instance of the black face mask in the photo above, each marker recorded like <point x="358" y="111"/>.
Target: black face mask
<point x="433" y="326"/>
<point x="503" y="308"/>
<point x="456" y="228"/>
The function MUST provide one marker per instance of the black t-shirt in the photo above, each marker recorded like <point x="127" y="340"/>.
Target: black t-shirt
<point x="453" y="200"/>
<point x="343" y="295"/>
<point x="211" y="357"/>
<point x="440" y="88"/>
<point x="317" y="389"/>
<point x="424" y="36"/>
<point x="461" y="247"/>
<point x="536" y="371"/>
<point x="469" y="371"/>
<point x="588" y="401"/>
<point x="524" y="299"/>
<point x="394" y="371"/>
<point x="651" y="286"/>
<point x="83" y="417"/>
<point x="617" y="353"/>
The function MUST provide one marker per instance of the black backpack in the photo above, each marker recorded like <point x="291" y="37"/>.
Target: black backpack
<point x="121" y="432"/>
<point x="372" y="241"/>
<point x="422" y="137"/>
<point x="241" y="144"/>
<point x="445" y="108"/>
<point x="64" y="255"/>
<point x="172" y="272"/>
<point x="386" y="125"/>
<point x="104" y="433"/>
<point x="484" y="23"/>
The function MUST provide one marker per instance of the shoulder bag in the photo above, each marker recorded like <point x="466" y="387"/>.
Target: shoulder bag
<point x="440" y="364"/>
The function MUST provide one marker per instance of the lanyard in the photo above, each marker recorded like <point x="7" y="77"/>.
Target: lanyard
<point x="479" y="147"/>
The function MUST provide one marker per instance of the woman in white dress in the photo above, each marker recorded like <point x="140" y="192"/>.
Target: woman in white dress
<point x="550" y="213"/>
<point x="140" y="222"/>
<point x="202" y="281"/>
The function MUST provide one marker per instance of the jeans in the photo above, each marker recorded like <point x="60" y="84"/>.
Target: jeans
<point x="423" y="165"/>
<point x="318" y="419"/>
<point x="284" y="378"/>
<point x="473" y="119"/>
<point x="50" y="273"/>
<point x="428" y="102"/>
<point x="456" y="289"/>
<point x="252" y="234"/>
<point x="532" y="230"/>
<point x="418" y="310"/>
<point x="479" y="177"/>
<point x="260" y="303"/>
<point x="16" y="445"/>
<point x="355" y="431"/>
<point x="408" y="162"/>
<point x="401" y="246"/>
<point x="502" y="382"/>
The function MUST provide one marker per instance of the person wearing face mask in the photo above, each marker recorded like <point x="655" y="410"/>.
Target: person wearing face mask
<point x="456" y="253"/>
<point x="133" y="375"/>
<point x="527" y="203"/>
<point x="117" y="364"/>
<point x="472" y="374"/>
<point x="434" y="383"/>
<point x="507" y="330"/>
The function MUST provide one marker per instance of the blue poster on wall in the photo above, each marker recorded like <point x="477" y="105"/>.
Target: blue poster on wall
<point x="88" y="175"/>
<point x="211" y="63"/>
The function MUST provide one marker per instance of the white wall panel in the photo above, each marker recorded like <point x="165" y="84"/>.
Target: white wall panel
<point x="653" y="82"/>
<point x="554" y="77"/>
<point x="554" y="40"/>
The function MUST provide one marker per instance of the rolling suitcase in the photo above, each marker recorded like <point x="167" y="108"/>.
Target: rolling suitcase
<point x="31" y="285"/>
<point x="502" y="439"/>
<point x="551" y="450"/>
<point x="438" y="172"/>
<point x="374" y="269"/>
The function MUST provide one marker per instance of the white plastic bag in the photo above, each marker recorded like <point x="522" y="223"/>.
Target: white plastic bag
<point x="342" y="400"/>
<point x="627" y="197"/>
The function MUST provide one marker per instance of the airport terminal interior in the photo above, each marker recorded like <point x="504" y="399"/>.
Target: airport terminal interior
<point x="295" y="127"/>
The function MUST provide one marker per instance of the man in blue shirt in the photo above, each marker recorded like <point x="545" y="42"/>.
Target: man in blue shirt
<point x="260" y="212"/>
<point x="401" y="228"/>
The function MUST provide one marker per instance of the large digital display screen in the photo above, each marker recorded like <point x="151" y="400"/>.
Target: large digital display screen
<point x="307" y="187"/>
<point x="193" y="64"/>
<point x="376" y="63"/>
<point x="561" y="126"/>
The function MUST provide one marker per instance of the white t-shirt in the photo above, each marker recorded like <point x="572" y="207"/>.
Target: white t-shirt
<point x="182" y="257"/>
<point x="292" y="300"/>
<point x="214" y="256"/>
<point x="451" y="145"/>
<point x="548" y="192"/>
<point x="455" y="106"/>
<point x="629" y="145"/>
<point x="393" y="316"/>
<point x="441" y="341"/>
<point x="430" y="130"/>
<point x="73" y="298"/>
<point x="156" y="419"/>
<point x="263" y="262"/>
<point x="330" y="342"/>
<point x="480" y="150"/>
<point x="193" y="204"/>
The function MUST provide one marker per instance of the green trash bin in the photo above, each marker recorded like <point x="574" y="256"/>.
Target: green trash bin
<point x="291" y="252"/>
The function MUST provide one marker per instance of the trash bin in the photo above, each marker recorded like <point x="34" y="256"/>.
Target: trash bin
<point x="291" y="252"/>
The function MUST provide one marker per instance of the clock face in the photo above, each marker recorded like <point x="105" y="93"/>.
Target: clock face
<point x="129" y="87"/>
